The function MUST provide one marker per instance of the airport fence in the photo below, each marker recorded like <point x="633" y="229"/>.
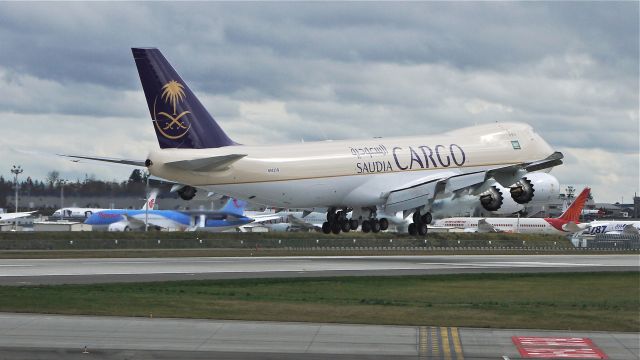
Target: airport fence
<point x="293" y="242"/>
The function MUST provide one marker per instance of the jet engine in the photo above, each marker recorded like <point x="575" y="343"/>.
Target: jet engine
<point x="537" y="187"/>
<point x="546" y="185"/>
<point x="522" y="191"/>
<point x="492" y="199"/>
<point x="119" y="226"/>
<point x="187" y="192"/>
<point x="532" y="188"/>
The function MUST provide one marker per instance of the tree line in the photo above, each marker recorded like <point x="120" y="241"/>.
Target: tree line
<point x="88" y="187"/>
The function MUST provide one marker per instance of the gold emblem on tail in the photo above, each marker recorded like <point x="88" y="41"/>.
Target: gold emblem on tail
<point x="172" y="126"/>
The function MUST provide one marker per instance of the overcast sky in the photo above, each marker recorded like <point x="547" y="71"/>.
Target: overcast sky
<point x="282" y="72"/>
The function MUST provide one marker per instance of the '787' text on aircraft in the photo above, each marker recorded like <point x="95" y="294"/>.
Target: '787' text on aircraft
<point x="370" y="177"/>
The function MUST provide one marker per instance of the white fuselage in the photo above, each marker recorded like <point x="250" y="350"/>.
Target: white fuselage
<point x="75" y="212"/>
<point x="350" y="173"/>
<point x="514" y="225"/>
<point x="603" y="227"/>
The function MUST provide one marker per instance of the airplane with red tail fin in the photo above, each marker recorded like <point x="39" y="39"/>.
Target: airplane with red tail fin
<point x="567" y="223"/>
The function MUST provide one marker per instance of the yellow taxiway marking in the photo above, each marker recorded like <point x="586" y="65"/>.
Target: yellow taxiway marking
<point x="446" y="348"/>
<point x="435" y="340"/>
<point x="423" y="349"/>
<point x="457" y="345"/>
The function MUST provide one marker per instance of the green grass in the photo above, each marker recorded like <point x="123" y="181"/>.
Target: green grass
<point x="577" y="301"/>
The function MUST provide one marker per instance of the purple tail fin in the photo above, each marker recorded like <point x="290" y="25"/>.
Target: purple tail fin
<point x="179" y="119"/>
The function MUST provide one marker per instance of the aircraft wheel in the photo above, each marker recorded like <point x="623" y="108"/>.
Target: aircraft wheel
<point x="326" y="227"/>
<point x="335" y="228"/>
<point x="384" y="224"/>
<point x="354" y="224"/>
<point x="412" y="229"/>
<point x="345" y="226"/>
<point x="126" y="228"/>
<point x="366" y="226"/>
<point x="331" y="215"/>
<point x="416" y="217"/>
<point x="422" y="229"/>
<point x="426" y="218"/>
<point x="375" y="226"/>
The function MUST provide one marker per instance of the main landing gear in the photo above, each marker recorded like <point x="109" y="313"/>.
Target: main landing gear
<point x="337" y="222"/>
<point x="420" y="222"/>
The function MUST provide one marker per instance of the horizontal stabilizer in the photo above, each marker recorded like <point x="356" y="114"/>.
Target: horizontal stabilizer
<point x="572" y="227"/>
<point x="212" y="163"/>
<point x="485" y="227"/>
<point x="630" y="230"/>
<point x="104" y="159"/>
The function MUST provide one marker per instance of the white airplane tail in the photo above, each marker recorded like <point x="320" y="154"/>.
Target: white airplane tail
<point x="151" y="200"/>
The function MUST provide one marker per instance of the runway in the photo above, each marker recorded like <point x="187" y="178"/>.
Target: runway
<point x="65" y="337"/>
<point x="58" y="271"/>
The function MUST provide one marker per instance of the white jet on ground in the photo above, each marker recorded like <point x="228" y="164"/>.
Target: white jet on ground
<point x="568" y="222"/>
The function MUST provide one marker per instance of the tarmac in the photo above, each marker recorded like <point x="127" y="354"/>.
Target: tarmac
<point x="102" y="270"/>
<point x="87" y="337"/>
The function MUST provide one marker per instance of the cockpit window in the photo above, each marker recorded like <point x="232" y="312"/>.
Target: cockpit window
<point x="515" y="144"/>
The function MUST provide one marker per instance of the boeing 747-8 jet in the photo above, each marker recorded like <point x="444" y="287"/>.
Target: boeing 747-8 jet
<point x="373" y="178"/>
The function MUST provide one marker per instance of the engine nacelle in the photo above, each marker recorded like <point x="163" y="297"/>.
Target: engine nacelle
<point x="538" y="187"/>
<point x="492" y="199"/>
<point x="187" y="192"/>
<point x="522" y="192"/>
<point x="119" y="226"/>
<point x="547" y="187"/>
<point x="534" y="188"/>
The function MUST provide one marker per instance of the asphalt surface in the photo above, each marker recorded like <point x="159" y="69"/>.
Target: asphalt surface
<point x="101" y="270"/>
<point x="67" y="337"/>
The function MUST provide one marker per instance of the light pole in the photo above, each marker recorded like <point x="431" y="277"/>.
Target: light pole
<point x="61" y="182"/>
<point x="146" y="208"/>
<point x="16" y="170"/>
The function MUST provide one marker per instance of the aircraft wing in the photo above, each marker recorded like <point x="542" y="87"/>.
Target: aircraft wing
<point x="419" y="193"/>
<point x="301" y="223"/>
<point x="140" y="223"/>
<point x="140" y="163"/>
<point x="262" y="218"/>
<point x="11" y="216"/>
<point x="484" y="227"/>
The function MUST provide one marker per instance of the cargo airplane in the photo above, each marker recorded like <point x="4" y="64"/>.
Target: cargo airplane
<point x="372" y="178"/>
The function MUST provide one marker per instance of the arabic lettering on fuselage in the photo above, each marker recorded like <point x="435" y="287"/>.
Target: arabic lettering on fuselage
<point x="375" y="160"/>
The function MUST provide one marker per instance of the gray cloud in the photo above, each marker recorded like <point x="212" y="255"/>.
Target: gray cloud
<point x="273" y="72"/>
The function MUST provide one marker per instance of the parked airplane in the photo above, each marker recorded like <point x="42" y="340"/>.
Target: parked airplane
<point x="568" y="222"/>
<point x="74" y="212"/>
<point x="373" y="178"/>
<point x="229" y="217"/>
<point x="84" y="213"/>
<point x="612" y="227"/>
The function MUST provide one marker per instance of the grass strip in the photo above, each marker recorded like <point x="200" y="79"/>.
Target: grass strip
<point x="160" y="253"/>
<point x="575" y="301"/>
